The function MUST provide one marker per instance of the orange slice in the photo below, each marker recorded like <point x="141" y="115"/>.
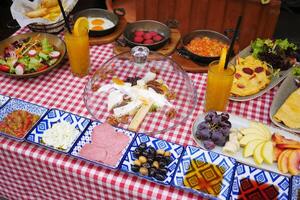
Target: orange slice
<point x="81" y="26"/>
<point x="222" y="59"/>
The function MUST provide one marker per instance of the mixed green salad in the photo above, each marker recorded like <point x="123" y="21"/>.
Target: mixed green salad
<point x="28" y="55"/>
<point x="280" y="54"/>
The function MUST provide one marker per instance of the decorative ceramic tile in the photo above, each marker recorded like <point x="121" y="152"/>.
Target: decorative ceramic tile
<point x="55" y="116"/>
<point x="17" y="104"/>
<point x="86" y="138"/>
<point x="253" y="183"/>
<point x="175" y="150"/>
<point x="204" y="172"/>
<point x="3" y="99"/>
<point x="295" y="189"/>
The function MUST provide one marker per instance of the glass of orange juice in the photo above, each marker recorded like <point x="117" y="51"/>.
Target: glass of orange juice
<point x="219" y="83"/>
<point x="77" y="44"/>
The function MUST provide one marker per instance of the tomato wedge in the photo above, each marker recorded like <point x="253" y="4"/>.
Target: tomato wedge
<point x="4" y="68"/>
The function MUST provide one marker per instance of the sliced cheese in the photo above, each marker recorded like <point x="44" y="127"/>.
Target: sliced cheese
<point x="114" y="99"/>
<point x="139" y="116"/>
<point x="128" y="109"/>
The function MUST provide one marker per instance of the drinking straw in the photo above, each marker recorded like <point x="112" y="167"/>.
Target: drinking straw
<point x="64" y="15"/>
<point x="230" y="51"/>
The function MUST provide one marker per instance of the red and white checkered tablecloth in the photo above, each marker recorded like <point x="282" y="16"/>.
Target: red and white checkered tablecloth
<point x="28" y="171"/>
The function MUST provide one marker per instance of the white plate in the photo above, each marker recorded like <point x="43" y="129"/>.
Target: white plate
<point x="286" y="89"/>
<point x="275" y="81"/>
<point x="239" y="122"/>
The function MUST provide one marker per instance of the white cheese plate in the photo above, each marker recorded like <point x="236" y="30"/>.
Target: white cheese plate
<point x="239" y="122"/>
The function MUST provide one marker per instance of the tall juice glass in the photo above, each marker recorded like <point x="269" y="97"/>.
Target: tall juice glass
<point x="78" y="53"/>
<point x="219" y="83"/>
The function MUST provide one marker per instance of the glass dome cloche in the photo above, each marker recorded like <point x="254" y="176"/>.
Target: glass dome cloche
<point x="140" y="91"/>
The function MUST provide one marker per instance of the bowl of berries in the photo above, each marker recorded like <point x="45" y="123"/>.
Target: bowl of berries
<point x="149" y="33"/>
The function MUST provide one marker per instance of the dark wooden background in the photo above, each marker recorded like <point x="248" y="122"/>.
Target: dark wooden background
<point x="258" y="20"/>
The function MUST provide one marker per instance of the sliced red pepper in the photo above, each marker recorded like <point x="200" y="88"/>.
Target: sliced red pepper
<point x="4" y="68"/>
<point x="42" y="68"/>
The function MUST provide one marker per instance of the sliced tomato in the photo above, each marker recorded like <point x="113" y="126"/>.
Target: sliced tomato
<point x="4" y="68"/>
<point x="42" y="68"/>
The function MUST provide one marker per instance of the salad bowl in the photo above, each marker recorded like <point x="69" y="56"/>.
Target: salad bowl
<point x="36" y="53"/>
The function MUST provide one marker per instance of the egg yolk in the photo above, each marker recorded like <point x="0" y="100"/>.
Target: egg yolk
<point x="97" y="28"/>
<point x="97" y="21"/>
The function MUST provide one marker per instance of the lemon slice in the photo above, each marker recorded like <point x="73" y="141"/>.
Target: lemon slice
<point x="222" y="59"/>
<point x="81" y="26"/>
<point x="265" y="1"/>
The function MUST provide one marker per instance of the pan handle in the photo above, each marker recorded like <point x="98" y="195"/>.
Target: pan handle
<point x="119" y="12"/>
<point x="181" y="51"/>
<point x="172" y="23"/>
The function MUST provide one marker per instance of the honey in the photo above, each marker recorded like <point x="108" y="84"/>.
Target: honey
<point x="204" y="177"/>
<point x="251" y="190"/>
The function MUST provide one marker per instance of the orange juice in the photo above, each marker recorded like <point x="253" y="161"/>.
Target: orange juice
<point x="78" y="53"/>
<point x="218" y="87"/>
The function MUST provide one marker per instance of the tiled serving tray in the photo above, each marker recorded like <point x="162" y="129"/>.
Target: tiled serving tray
<point x="3" y="100"/>
<point x="295" y="188"/>
<point x="194" y="153"/>
<point x="86" y="138"/>
<point x="264" y="190"/>
<point x="175" y="149"/>
<point x="52" y="117"/>
<point x="17" y="104"/>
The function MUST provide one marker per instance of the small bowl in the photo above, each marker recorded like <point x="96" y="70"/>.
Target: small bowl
<point x="147" y="25"/>
<point x="199" y="34"/>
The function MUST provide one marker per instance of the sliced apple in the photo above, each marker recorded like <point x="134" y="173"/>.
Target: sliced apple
<point x="248" y="138"/>
<point x="263" y="128"/>
<point x="283" y="161"/>
<point x="257" y="155"/>
<point x="294" y="162"/>
<point x="249" y="148"/>
<point x="267" y="152"/>
<point x="251" y="130"/>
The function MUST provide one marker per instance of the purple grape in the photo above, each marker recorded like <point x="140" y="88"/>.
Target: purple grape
<point x="203" y="125"/>
<point x="208" y="144"/>
<point x="210" y="115"/>
<point x="225" y="131"/>
<point x="216" y="135"/>
<point x="220" y="141"/>
<point x="203" y="134"/>
<point x="225" y="116"/>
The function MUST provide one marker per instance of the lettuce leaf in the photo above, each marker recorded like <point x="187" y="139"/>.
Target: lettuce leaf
<point x="46" y="46"/>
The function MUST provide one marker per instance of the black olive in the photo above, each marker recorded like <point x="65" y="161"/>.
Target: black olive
<point x="162" y="163"/>
<point x="146" y="165"/>
<point x="136" y="153"/>
<point x="168" y="160"/>
<point x="143" y="146"/>
<point x="159" y="177"/>
<point x="152" y="171"/>
<point x="145" y="153"/>
<point x="162" y="171"/>
<point x="135" y="168"/>
<point x="159" y="157"/>
<point x="150" y="160"/>
<point x="152" y="151"/>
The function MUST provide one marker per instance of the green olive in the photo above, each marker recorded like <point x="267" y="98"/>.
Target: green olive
<point x="143" y="159"/>
<point x="144" y="171"/>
